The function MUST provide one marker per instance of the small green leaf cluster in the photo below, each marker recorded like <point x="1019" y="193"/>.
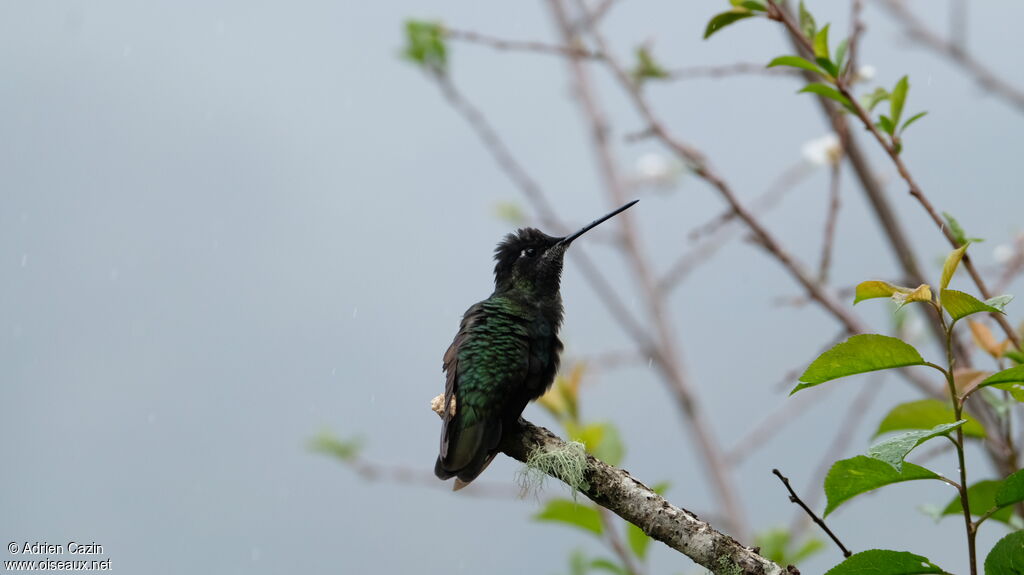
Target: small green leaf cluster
<point x="893" y="124"/>
<point x="346" y="450"/>
<point x="425" y="45"/>
<point x="912" y="424"/>
<point x="741" y="10"/>
<point x="833" y="69"/>
<point x="647" y="68"/>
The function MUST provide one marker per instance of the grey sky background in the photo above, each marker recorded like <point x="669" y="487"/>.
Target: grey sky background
<point x="226" y="226"/>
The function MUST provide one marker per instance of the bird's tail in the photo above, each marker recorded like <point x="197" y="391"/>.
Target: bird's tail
<point x="466" y="450"/>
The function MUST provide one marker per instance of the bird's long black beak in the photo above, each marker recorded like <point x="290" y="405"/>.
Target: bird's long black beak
<point x="568" y="239"/>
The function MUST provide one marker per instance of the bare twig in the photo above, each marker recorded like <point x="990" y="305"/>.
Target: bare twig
<point x="726" y="71"/>
<point x="669" y="359"/>
<point x="721" y="232"/>
<point x="614" y="541"/>
<point x="773" y="423"/>
<point x="874" y="191"/>
<point x="701" y="168"/>
<point x="955" y="51"/>
<point x="830" y="223"/>
<point x="856" y="31"/>
<point x="787" y="19"/>
<point x="796" y="499"/>
<point x="506" y="45"/>
<point x="372" y="471"/>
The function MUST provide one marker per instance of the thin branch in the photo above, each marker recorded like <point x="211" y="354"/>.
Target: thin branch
<point x="593" y="17"/>
<point x="874" y="191"/>
<point x="614" y="541"/>
<point x="376" y="472"/>
<point x="773" y="423"/>
<point x="830" y="223"/>
<point x="856" y="32"/>
<point x="505" y="45"/>
<point x="987" y="78"/>
<point x="787" y="19"/>
<point x="726" y="71"/>
<point x="796" y="499"/>
<point x="701" y="168"/>
<point x="669" y="359"/>
<point x="696" y="160"/>
<point x="722" y="232"/>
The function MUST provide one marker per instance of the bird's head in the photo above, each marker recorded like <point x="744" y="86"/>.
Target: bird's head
<point x="530" y="261"/>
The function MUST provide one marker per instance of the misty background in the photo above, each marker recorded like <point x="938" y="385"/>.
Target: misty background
<point x="227" y="226"/>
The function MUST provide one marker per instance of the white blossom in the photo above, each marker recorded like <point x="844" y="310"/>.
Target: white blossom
<point x="823" y="151"/>
<point x="657" y="169"/>
<point x="865" y="73"/>
<point x="1003" y="254"/>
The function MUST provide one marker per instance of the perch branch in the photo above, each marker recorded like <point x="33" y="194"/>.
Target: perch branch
<point x="616" y="490"/>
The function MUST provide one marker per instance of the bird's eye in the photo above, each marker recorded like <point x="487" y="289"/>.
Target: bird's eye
<point x="529" y="252"/>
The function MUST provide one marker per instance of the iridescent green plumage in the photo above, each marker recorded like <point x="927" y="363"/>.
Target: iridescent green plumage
<point x="506" y="352"/>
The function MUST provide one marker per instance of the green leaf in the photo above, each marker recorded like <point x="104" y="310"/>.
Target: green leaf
<point x="646" y="67"/>
<point x="638" y="540"/>
<point x="1011" y="491"/>
<point x="875" y="98"/>
<point x="609" y="566"/>
<point x="776" y="546"/>
<point x="821" y="43"/>
<point x="425" y="44"/>
<point x="949" y="268"/>
<point x="602" y="440"/>
<point x="828" y="66"/>
<point x="885" y="124"/>
<point x="851" y="477"/>
<point x="925" y="414"/>
<point x="923" y="293"/>
<point x="982" y="498"/>
<point x="895" y="449"/>
<point x="884" y="562"/>
<point x="795" y="62"/>
<point x="841" y="50"/>
<point x="954" y="228"/>
<point x="1015" y="356"/>
<point x="999" y="302"/>
<point x="807" y="24"/>
<point x="859" y="354"/>
<point x="611" y="450"/>
<point x="1007" y="556"/>
<point x="1008" y="379"/>
<point x="572" y="513"/>
<point x="661" y="487"/>
<point x="750" y="5"/>
<point x="725" y="19"/>
<point x="344" y="449"/>
<point x="899" y="96"/>
<point x="960" y="305"/>
<point x="828" y="92"/>
<point x="876" y="289"/>
<point x="911" y="120"/>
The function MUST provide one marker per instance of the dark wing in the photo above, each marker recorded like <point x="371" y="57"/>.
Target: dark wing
<point x="484" y="365"/>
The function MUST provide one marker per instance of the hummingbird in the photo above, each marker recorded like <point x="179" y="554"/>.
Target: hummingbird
<point x="506" y="351"/>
